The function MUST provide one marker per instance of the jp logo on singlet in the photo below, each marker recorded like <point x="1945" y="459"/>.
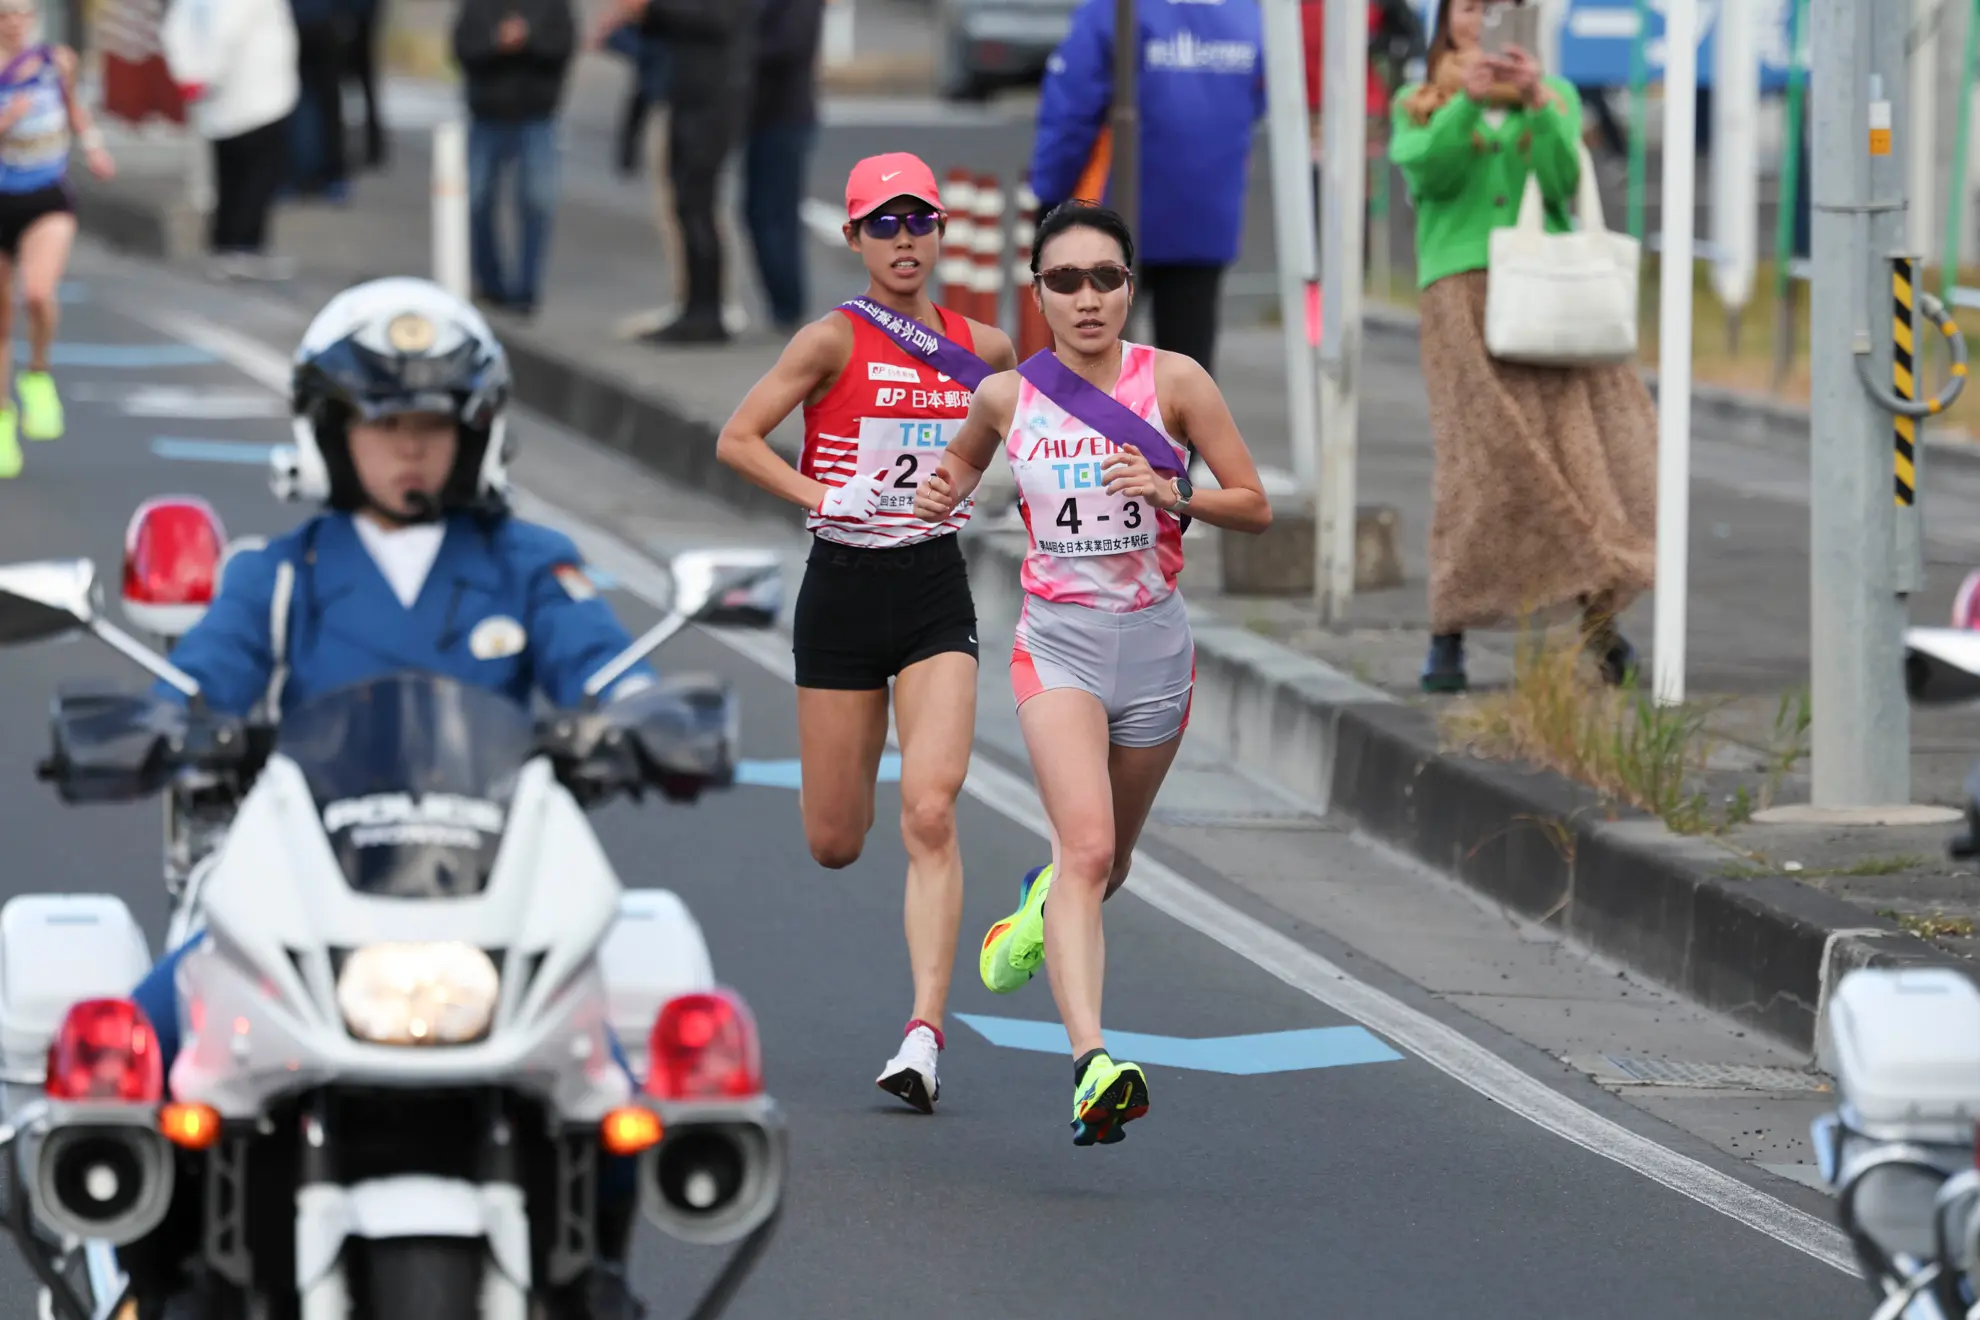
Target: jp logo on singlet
<point x="1064" y="482"/>
<point x="909" y="448"/>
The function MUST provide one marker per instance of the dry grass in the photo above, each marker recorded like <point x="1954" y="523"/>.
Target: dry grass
<point x="1559" y="715"/>
<point x="1937" y="926"/>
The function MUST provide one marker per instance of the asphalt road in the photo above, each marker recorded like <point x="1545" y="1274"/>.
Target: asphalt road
<point x="1386" y="1188"/>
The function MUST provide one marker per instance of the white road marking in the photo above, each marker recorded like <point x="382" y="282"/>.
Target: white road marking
<point x="1441" y="1046"/>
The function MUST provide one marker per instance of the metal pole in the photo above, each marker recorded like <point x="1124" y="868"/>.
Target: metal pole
<point x="1736" y="157"/>
<point x="1639" y="118"/>
<point x="1786" y="289"/>
<point x="1343" y="199"/>
<point x="1125" y="185"/>
<point x="1962" y="128"/>
<point x="1679" y="212"/>
<point x="1292" y="213"/>
<point x="1861" y="739"/>
<point x="838" y="38"/>
<point x="1923" y="121"/>
<point x="450" y="208"/>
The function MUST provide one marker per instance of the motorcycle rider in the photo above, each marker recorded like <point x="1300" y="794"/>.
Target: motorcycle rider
<point x="399" y="401"/>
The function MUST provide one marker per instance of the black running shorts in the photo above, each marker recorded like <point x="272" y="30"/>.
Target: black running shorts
<point x="865" y="615"/>
<point x="19" y="211"/>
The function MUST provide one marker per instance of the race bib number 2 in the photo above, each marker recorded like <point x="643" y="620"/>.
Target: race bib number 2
<point x="908" y="449"/>
<point x="1073" y="516"/>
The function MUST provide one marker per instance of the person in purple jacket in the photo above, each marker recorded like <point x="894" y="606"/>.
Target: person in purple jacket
<point x="1202" y="92"/>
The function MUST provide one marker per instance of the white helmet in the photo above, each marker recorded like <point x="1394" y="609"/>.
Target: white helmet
<point x="390" y="346"/>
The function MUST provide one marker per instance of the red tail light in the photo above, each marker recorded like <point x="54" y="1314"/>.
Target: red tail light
<point x="106" y="1050"/>
<point x="704" y="1047"/>
<point x="172" y="555"/>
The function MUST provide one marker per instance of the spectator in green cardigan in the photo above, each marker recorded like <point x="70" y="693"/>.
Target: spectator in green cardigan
<point x="1544" y="500"/>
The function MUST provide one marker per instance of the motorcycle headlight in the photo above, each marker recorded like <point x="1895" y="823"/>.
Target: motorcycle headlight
<point x="418" y="994"/>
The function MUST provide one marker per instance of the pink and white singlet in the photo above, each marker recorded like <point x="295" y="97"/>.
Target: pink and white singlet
<point x="1105" y="552"/>
<point x="1101" y="611"/>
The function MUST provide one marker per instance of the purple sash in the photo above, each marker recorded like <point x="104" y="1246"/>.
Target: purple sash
<point x="1100" y="410"/>
<point x="918" y="341"/>
<point x="43" y="49"/>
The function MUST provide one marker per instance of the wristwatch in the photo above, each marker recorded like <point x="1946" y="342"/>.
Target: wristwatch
<point x="1183" y="491"/>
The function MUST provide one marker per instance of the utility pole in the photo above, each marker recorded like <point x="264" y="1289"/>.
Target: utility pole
<point x="1125" y="184"/>
<point x="1862" y="730"/>
<point x="1343" y="199"/>
<point x="1293" y="227"/>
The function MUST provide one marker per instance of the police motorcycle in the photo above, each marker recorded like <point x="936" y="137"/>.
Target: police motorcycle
<point x="399" y="1078"/>
<point x="1903" y="1044"/>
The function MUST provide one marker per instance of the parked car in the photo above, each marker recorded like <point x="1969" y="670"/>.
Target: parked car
<point x="988" y="44"/>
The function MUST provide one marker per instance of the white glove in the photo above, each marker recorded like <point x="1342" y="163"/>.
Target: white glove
<point x="857" y="501"/>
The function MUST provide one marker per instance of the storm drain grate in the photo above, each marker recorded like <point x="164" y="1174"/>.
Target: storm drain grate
<point x="1715" y="1076"/>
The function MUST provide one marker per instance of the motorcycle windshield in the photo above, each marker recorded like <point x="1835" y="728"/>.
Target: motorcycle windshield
<point x="412" y="774"/>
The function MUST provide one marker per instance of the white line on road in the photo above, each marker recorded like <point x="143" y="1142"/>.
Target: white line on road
<point x="1440" y="1045"/>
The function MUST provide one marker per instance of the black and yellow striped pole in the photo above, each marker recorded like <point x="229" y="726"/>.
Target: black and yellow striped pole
<point x="1904" y="379"/>
<point x="1907" y="411"/>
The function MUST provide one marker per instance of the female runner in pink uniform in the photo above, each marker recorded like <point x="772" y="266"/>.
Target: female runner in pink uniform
<point x="1099" y="434"/>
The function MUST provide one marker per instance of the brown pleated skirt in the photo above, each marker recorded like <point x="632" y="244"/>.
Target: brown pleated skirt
<point x="1546" y="477"/>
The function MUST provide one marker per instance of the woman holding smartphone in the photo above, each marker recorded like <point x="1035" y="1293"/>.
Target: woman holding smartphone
<point x="1544" y="497"/>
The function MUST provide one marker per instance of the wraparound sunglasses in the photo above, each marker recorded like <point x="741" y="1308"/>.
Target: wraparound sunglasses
<point x="918" y="223"/>
<point x="1068" y="279"/>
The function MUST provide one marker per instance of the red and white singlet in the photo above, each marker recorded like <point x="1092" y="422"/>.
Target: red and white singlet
<point x="888" y="410"/>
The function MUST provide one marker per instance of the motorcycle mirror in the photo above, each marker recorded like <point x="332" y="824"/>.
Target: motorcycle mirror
<point x="46" y="599"/>
<point x="739" y="588"/>
<point x="1941" y="665"/>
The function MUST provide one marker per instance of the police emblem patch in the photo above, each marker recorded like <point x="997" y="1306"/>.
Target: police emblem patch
<point x="410" y="332"/>
<point x="576" y="585"/>
<point x="497" y="638"/>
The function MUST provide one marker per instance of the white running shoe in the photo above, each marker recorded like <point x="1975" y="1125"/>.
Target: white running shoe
<point x="910" y="1074"/>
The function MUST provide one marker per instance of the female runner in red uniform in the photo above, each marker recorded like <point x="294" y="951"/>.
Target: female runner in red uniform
<point x="884" y="381"/>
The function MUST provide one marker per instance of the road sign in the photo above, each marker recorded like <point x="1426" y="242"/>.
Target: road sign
<point x="1243" y="1056"/>
<point x="1596" y="36"/>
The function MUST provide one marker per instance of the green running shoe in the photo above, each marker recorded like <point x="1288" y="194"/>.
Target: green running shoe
<point x="1016" y="945"/>
<point x="10" y="445"/>
<point x="41" y="406"/>
<point x="1109" y="1097"/>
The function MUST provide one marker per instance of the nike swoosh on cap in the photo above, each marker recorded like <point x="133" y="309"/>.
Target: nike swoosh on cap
<point x="886" y="177"/>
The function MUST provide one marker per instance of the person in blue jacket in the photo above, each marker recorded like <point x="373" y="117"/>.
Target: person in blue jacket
<point x="1202" y="92"/>
<point x="400" y="400"/>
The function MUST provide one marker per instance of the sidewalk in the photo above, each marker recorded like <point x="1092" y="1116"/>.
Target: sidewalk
<point x="1754" y="920"/>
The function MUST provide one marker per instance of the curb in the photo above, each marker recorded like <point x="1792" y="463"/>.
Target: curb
<point x="1765" y="951"/>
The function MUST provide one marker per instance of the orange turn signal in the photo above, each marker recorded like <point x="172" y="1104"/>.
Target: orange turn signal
<point x="629" y="1130"/>
<point x="194" y="1127"/>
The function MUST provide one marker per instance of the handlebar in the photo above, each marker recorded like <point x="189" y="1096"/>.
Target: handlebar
<point x="677" y="737"/>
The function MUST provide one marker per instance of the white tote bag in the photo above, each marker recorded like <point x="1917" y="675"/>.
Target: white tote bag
<point x="1561" y="300"/>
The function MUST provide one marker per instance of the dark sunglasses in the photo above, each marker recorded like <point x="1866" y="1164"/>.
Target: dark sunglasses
<point x="1068" y="279"/>
<point x="919" y="223"/>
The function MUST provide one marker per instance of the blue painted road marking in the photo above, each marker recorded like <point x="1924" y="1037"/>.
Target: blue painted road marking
<point x="785" y="774"/>
<point x="1241" y="1056"/>
<point x="62" y="354"/>
<point x="211" y="451"/>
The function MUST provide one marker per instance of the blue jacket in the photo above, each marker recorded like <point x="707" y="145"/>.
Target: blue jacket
<point x="1202" y="92"/>
<point x="346" y="625"/>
